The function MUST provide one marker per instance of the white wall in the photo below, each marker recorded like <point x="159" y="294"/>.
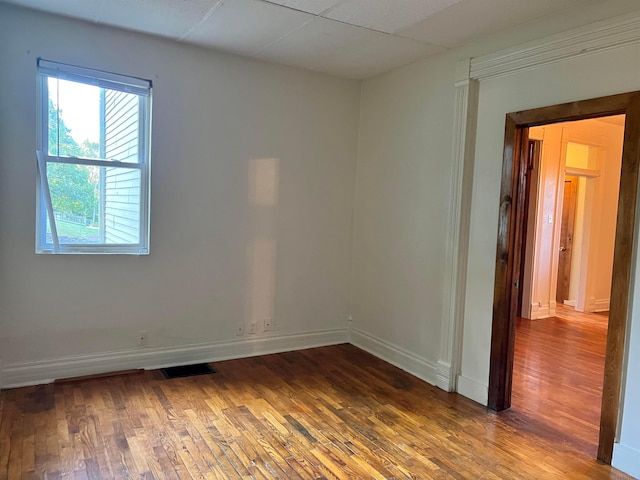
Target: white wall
<point x="545" y="260"/>
<point x="403" y="178"/>
<point x="626" y="453"/>
<point x="402" y="204"/>
<point x="223" y="129"/>
<point x="404" y="172"/>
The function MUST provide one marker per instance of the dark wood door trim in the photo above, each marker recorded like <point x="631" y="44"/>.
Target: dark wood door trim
<point x="509" y="247"/>
<point x="622" y="255"/>
<point x="507" y="265"/>
<point x="533" y="163"/>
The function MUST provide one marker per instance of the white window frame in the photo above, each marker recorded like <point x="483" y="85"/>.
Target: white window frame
<point x="47" y="69"/>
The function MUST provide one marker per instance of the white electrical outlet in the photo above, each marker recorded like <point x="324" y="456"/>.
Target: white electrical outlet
<point x="142" y="338"/>
<point x="253" y="327"/>
<point x="240" y="329"/>
<point x="268" y="324"/>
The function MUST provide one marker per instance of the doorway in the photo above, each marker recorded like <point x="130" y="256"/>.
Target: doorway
<point x="512" y="219"/>
<point x="560" y="340"/>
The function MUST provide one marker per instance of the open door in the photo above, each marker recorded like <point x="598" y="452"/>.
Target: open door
<point x="565" y="255"/>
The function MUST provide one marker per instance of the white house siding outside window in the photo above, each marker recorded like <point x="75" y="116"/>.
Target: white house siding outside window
<point x="93" y="161"/>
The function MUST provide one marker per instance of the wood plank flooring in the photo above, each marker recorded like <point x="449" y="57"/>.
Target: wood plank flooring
<point x="558" y="372"/>
<point x="326" y="413"/>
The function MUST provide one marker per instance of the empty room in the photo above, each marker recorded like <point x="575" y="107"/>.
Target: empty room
<point x="285" y="238"/>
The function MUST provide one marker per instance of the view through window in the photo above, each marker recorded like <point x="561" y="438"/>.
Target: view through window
<point x="92" y="161"/>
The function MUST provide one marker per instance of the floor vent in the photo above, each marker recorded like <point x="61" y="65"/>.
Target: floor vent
<point x="187" y="370"/>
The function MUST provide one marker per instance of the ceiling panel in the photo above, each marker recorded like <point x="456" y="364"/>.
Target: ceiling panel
<point x="388" y="16"/>
<point x="350" y="38"/>
<point x="472" y="19"/>
<point x="170" y="18"/>
<point x="84" y="9"/>
<point x="341" y="49"/>
<point x="247" y="26"/>
<point x="312" y="6"/>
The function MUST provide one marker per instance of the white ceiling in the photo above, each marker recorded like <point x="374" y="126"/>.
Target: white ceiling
<point x="349" y="38"/>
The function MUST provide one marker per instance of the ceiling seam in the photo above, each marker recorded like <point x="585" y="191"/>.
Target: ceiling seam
<point x="204" y="18"/>
<point x="326" y="10"/>
<point x="321" y="15"/>
<point x="315" y="17"/>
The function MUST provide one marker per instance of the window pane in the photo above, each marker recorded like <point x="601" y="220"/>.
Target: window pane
<point x="75" y="200"/>
<point x="121" y="126"/>
<point x="121" y="200"/>
<point x="86" y="121"/>
<point x="94" y="205"/>
<point x="74" y="119"/>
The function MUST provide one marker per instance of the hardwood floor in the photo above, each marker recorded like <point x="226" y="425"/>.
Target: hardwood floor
<point x="332" y="412"/>
<point x="558" y="372"/>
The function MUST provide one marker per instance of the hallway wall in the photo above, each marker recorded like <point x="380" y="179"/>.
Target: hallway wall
<point x="591" y="274"/>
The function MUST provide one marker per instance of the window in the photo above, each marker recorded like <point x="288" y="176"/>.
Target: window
<point x="93" y="161"/>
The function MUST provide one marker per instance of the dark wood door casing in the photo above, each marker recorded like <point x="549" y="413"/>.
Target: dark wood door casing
<point x="509" y="251"/>
<point x="533" y="163"/>
<point x="509" y="247"/>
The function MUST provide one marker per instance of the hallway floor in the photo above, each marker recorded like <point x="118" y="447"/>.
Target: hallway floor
<point x="557" y="375"/>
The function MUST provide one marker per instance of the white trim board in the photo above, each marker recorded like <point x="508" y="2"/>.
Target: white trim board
<point x="473" y="390"/>
<point x="46" y="371"/>
<point x="626" y="459"/>
<point x="466" y="100"/>
<point x="543" y="311"/>
<point x="417" y="366"/>
<point x="597" y="37"/>
<point x="599" y="305"/>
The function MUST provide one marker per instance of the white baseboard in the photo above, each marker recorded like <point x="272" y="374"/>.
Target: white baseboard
<point x="46" y="371"/>
<point x="570" y="303"/>
<point x="407" y="361"/>
<point x="473" y="390"/>
<point x="543" y="311"/>
<point x="600" y="305"/>
<point x="626" y="459"/>
<point x="540" y="311"/>
<point x="444" y="377"/>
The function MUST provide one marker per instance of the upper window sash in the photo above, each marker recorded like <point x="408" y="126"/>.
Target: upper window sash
<point x="98" y="78"/>
<point x="101" y="79"/>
